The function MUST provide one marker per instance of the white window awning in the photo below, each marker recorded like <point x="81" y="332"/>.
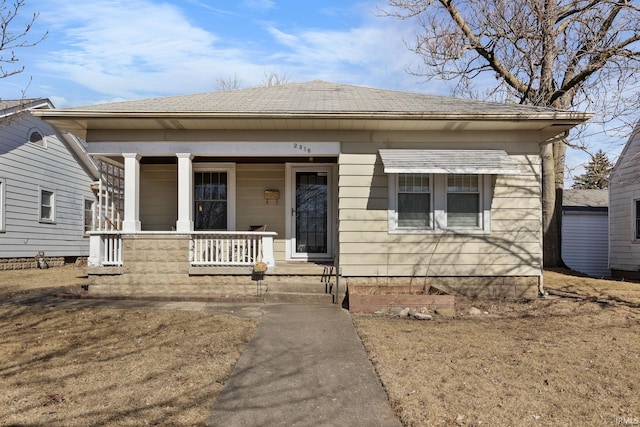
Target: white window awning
<point x="488" y="162"/>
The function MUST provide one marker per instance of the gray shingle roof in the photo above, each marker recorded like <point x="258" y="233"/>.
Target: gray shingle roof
<point x="314" y="97"/>
<point x="6" y="104"/>
<point x="578" y="198"/>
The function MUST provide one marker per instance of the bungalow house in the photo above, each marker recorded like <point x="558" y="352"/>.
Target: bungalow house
<point x="377" y="187"/>
<point x="624" y="211"/>
<point x="46" y="201"/>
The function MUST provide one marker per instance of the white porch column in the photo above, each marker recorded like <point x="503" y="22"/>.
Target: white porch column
<point x="267" y="251"/>
<point x="185" y="193"/>
<point x="131" y="221"/>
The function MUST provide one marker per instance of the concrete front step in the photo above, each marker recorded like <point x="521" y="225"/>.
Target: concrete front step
<point x="308" y="286"/>
<point x="297" y="298"/>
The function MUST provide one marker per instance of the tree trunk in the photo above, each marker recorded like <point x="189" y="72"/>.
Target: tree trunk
<point x="552" y="189"/>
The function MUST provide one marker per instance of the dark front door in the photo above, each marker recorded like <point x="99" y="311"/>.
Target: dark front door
<point x="311" y="218"/>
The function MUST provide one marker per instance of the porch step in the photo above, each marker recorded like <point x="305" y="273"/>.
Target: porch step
<point x="311" y="286"/>
<point x="297" y="298"/>
<point x="302" y="269"/>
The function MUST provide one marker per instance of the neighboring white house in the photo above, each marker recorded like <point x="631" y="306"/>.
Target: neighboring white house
<point x="388" y="188"/>
<point x="46" y="201"/>
<point x="624" y="211"/>
<point x="585" y="231"/>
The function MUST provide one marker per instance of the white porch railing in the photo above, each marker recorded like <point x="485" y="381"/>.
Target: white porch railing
<point x="206" y="248"/>
<point x="231" y="248"/>
<point x="105" y="249"/>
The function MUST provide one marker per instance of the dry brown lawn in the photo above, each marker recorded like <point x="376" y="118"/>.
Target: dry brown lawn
<point x="569" y="360"/>
<point x="109" y="367"/>
<point x="558" y="361"/>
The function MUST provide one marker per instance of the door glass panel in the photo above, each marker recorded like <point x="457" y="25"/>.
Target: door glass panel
<point x="311" y="212"/>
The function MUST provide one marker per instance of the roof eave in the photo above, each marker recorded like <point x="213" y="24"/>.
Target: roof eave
<point x="79" y="122"/>
<point x="576" y="117"/>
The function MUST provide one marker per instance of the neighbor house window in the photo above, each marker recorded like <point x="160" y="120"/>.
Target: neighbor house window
<point x="47" y="206"/>
<point x="2" y="204"/>
<point x="214" y="195"/>
<point x="439" y="202"/>
<point x="89" y="215"/>
<point x="637" y="220"/>
<point x="36" y="137"/>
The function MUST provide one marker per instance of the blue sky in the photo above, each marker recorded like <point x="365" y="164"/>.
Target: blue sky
<point x="106" y="50"/>
<point x="112" y="50"/>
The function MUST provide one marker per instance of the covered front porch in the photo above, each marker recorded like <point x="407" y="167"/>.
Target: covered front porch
<point x="199" y="224"/>
<point x="163" y="265"/>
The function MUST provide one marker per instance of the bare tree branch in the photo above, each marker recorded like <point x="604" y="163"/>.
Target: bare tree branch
<point x="12" y="38"/>
<point x="551" y="53"/>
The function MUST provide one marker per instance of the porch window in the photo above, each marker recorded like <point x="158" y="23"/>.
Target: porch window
<point x="47" y="206"/>
<point x="211" y="200"/>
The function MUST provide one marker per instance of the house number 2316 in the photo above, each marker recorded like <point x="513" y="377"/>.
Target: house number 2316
<point x="301" y="147"/>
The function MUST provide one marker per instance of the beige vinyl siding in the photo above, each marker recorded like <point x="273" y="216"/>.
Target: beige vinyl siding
<point x="513" y="248"/>
<point x="624" y="251"/>
<point x="251" y="207"/>
<point x="158" y="197"/>
<point x="159" y="206"/>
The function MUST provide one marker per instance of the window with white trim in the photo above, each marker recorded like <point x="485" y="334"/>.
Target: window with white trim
<point x="435" y="203"/>
<point x="414" y="201"/>
<point x="2" y="204"/>
<point x="637" y="219"/>
<point x="37" y="137"/>
<point x="47" y="205"/>
<point x="214" y="197"/>
<point x="89" y="215"/>
<point x="463" y="201"/>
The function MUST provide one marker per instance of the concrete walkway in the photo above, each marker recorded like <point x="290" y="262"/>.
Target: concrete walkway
<point x="305" y="366"/>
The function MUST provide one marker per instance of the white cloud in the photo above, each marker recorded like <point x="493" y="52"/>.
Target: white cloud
<point x="373" y="54"/>
<point x="126" y="49"/>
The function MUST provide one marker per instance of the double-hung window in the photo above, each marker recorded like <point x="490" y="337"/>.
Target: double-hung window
<point x="414" y="201"/>
<point x="47" y="206"/>
<point x="637" y="220"/>
<point x="89" y="215"/>
<point x="441" y="190"/>
<point x="463" y="201"/>
<point x="436" y="203"/>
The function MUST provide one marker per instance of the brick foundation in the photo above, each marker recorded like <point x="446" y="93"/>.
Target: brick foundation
<point x="519" y="287"/>
<point x="27" y="263"/>
<point x="158" y="265"/>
